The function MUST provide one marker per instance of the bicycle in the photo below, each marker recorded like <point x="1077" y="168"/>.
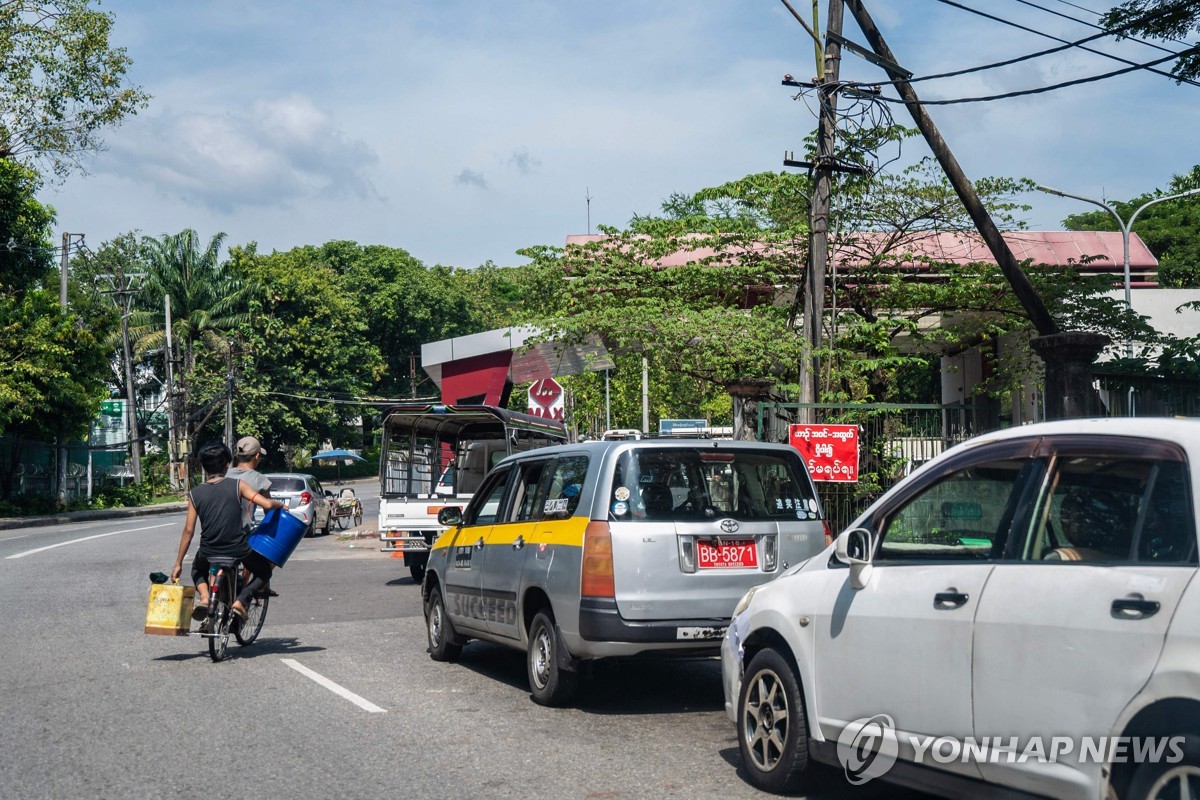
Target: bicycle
<point x="225" y="580"/>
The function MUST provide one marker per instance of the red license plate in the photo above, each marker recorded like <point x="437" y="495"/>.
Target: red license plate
<point x="729" y="554"/>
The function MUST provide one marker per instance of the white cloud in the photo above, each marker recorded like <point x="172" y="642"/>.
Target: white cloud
<point x="278" y="153"/>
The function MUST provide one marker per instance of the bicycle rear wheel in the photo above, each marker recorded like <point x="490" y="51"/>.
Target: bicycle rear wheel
<point x="343" y="521"/>
<point x="256" y="615"/>
<point x="221" y="616"/>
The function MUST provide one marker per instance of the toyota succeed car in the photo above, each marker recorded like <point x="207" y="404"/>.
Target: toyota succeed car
<point x="1021" y="616"/>
<point x="304" y="497"/>
<point x="601" y="549"/>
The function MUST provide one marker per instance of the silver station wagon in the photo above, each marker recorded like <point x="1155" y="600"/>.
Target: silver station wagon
<point x="619" y="548"/>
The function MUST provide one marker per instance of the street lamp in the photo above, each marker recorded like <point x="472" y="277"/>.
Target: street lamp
<point x="1125" y="227"/>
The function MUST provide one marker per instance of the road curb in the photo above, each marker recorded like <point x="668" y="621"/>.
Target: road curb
<point x="11" y="523"/>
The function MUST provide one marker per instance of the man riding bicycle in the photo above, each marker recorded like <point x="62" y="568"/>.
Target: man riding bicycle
<point x="216" y="503"/>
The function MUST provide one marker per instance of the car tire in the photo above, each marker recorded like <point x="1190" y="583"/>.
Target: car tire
<point x="328" y="522"/>
<point x="439" y="630"/>
<point x="772" y="727"/>
<point x="1163" y="780"/>
<point x="549" y="684"/>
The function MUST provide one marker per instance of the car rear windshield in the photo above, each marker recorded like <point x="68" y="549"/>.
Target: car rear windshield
<point x="287" y="485"/>
<point x="704" y="483"/>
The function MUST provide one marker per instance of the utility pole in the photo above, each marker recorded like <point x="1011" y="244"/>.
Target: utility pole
<point x="814" y="297"/>
<point x="123" y="289"/>
<point x="172" y="447"/>
<point x="60" y="472"/>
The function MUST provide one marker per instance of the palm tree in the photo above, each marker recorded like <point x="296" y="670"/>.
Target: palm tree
<point x="208" y="303"/>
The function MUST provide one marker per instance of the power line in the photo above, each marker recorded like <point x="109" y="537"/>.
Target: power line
<point x="1147" y="66"/>
<point x="1101" y="15"/>
<point x="1093" y="25"/>
<point x="1023" y="92"/>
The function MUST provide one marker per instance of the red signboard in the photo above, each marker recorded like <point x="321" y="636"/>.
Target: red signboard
<point x="830" y="451"/>
<point x="546" y="399"/>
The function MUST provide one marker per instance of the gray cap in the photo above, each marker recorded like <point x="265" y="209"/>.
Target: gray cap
<point x="249" y="446"/>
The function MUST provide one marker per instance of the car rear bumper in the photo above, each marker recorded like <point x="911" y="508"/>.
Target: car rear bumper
<point x="601" y="621"/>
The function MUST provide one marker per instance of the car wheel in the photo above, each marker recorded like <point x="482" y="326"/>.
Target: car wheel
<point x="550" y="684"/>
<point x="1166" y="781"/>
<point x="439" y="630"/>
<point x="328" y="522"/>
<point x="772" y="727"/>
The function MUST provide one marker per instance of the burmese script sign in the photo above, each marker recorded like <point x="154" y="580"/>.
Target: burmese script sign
<point x="829" y="451"/>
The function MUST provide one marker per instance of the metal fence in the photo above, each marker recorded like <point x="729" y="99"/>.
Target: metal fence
<point x="1147" y="396"/>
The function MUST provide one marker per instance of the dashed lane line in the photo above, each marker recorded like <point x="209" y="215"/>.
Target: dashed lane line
<point x="88" y="538"/>
<point x="341" y="691"/>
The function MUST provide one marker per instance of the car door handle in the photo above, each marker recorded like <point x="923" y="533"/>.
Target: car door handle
<point x="1136" y="607"/>
<point x="479" y="544"/>
<point x="519" y="543"/>
<point x="951" y="598"/>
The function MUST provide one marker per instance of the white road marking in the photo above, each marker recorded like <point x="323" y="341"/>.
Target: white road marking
<point x="86" y="538"/>
<point x="365" y="705"/>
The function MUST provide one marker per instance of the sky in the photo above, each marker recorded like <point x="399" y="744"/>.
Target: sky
<point x="465" y="130"/>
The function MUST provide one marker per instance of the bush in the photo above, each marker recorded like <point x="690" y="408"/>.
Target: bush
<point x="30" y="504"/>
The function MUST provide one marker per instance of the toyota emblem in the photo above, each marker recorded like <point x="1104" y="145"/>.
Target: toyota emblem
<point x="729" y="525"/>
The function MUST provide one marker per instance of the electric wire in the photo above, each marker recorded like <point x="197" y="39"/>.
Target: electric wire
<point x="1146" y="66"/>
<point x="1093" y="25"/>
<point x="1024" y="92"/>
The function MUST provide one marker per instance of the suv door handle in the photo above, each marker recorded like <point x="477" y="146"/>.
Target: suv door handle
<point x="1135" y="607"/>
<point x="951" y="598"/>
<point x="479" y="544"/>
<point x="519" y="543"/>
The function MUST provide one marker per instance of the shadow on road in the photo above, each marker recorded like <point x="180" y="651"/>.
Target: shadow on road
<point x="619" y="687"/>
<point x="265" y="646"/>
<point x="829" y="784"/>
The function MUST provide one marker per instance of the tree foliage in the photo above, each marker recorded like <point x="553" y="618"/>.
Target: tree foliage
<point x="63" y="81"/>
<point x="1167" y="20"/>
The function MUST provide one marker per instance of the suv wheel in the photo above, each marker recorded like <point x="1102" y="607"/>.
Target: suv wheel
<point x="1164" y="781"/>
<point x="440" y="631"/>
<point x="549" y="684"/>
<point x="772" y="727"/>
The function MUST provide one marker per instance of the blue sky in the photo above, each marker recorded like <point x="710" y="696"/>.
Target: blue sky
<point x="463" y="130"/>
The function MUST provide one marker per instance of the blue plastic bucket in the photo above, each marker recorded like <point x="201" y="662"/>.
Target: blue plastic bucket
<point x="277" y="536"/>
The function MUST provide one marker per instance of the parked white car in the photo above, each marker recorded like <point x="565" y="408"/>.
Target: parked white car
<point x="1020" y="614"/>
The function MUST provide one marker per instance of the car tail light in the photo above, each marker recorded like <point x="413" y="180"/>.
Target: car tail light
<point x="828" y="533"/>
<point x="597" y="578"/>
<point x="305" y="498"/>
<point x="432" y="510"/>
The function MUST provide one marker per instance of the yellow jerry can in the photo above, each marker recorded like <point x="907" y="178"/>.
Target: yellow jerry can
<point x="169" y="612"/>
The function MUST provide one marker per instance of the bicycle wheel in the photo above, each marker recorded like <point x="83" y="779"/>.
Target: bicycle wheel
<point x="221" y="616"/>
<point x="343" y="521"/>
<point x="358" y="515"/>
<point x="256" y="615"/>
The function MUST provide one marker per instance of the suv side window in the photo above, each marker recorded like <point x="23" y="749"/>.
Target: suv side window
<point x="566" y="486"/>
<point x="964" y="516"/>
<point x="1114" y="509"/>
<point x="490" y="499"/>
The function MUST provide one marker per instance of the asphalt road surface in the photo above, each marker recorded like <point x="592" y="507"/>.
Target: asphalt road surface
<point x="337" y="698"/>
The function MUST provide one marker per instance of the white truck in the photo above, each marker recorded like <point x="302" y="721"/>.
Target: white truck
<point x="435" y="455"/>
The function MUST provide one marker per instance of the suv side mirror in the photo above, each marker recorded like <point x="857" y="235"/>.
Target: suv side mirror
<point x="854" y="547"/>
<point x="328" y="493"/>
<point x="450" y="516"/>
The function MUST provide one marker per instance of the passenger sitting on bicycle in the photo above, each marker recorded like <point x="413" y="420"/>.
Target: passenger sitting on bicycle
<point x="216" y="503"/>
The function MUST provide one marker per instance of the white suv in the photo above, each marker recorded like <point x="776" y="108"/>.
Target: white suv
<point x="1021" y="613"/>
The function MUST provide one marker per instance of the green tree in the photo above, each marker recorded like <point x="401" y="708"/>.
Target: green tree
<point x="209" y="303"/>
<point x="51" y="376"/>
<point x="1167" y="20"/>
<point x="1170" y="229"/>
<point x="63" y="81"/>
<point x="306" y="355"/>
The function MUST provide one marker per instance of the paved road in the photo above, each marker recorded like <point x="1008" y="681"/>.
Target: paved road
<point x="92" y="707"/>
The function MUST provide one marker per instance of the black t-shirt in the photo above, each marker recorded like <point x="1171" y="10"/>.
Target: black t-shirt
<point x="217" y="505"/>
